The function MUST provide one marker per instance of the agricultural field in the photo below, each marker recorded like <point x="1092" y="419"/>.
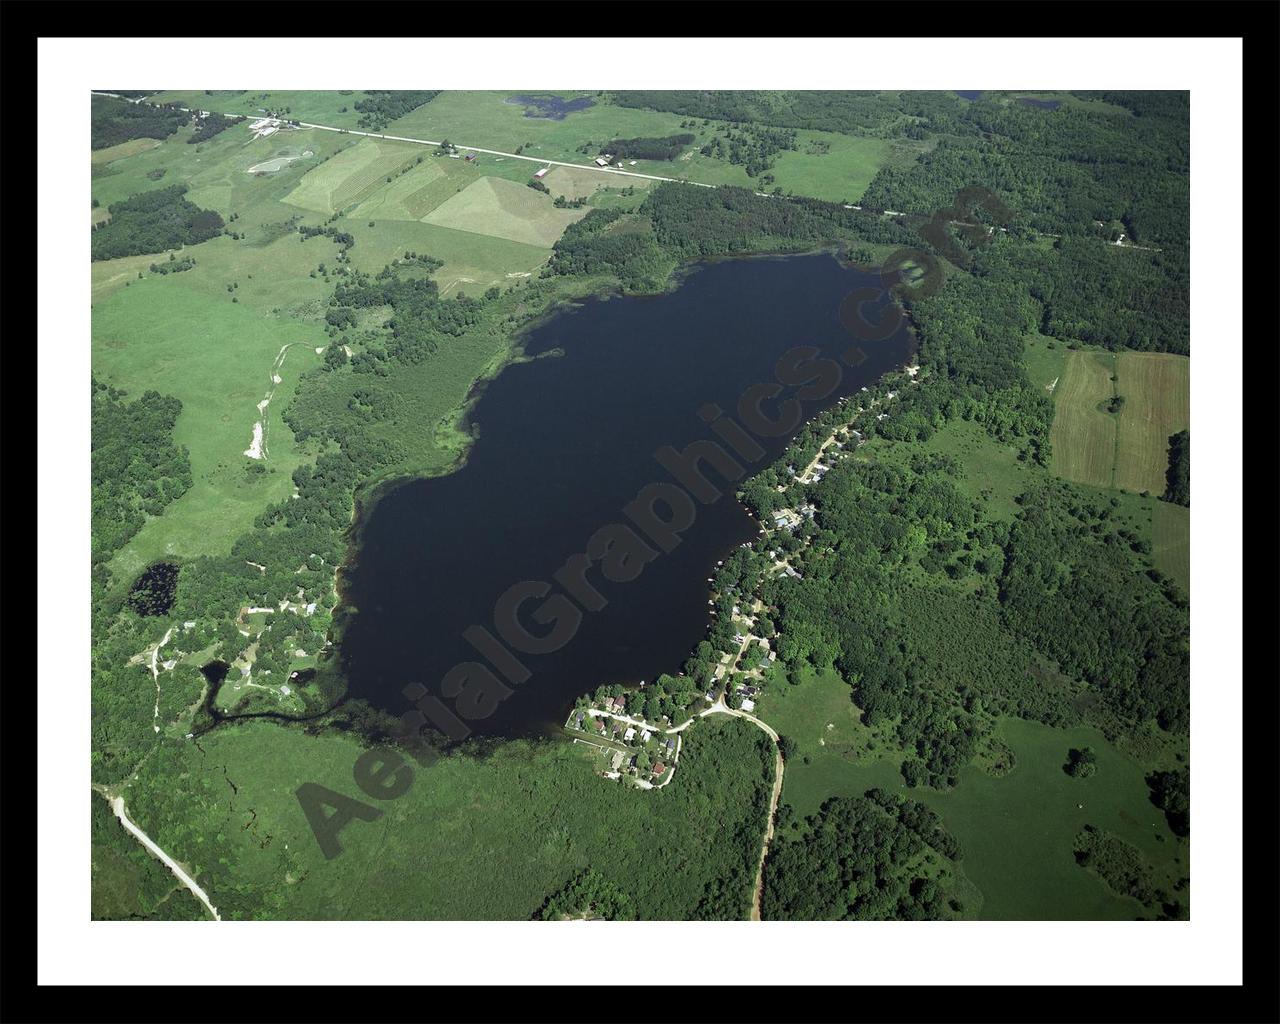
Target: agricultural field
<point x="118" y="152"/>
<point x="1157" y="392"/>
<point x="1128" y="448"/>
<point x="505" y="209"/>
<point x="352" y="175"/>
<point x="472" y="262"/>
<point x="492" y="120"/>
<point x="827" y="165"/>
<point x="1084" y="433"/>
<point x="579" y="183"/>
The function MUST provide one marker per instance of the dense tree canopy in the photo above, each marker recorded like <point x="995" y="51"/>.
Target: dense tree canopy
<point x="113" y="121"/>
<point x="382" y="106"/>
<point x="153" y="222"/>
<point x="872" y="858"/>
<point x="1178" y="476"/>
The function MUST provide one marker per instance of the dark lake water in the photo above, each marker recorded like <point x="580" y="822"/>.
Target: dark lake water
<point x="969" y="94"/>
<point x="553" y="108"/>
<point x="564" y="443"/>
<point x="1040" y="104"/>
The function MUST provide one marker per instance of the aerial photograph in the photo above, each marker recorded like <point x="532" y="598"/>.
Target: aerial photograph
<point x="638" y="505"/>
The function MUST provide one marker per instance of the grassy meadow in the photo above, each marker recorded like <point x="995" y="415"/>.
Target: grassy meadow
<point x="1016" y="830"/>
<point x="217" y="357"/>
<point x="475" y="838"/>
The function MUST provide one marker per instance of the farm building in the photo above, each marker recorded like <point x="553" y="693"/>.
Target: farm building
<point x="603" y="161"/>
<point x="539" y="174"/>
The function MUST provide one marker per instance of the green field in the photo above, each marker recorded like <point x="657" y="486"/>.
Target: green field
<point x="474" y="838"/>
<point x="575" y="182"/>
<point x="1016" y="830"/>
<point x="217" y="358"/>
<point x="505" y="209"/>
<point x="472" y="262"/>
<point x="351" y="175"/>
<point x="827" y="165"/>
<point x="131" y="148"/>
<point x="318" y="106"/>
<point x="411" y="196"/>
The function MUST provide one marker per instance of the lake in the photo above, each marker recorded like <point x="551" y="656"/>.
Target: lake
<point x="564" y="440"/>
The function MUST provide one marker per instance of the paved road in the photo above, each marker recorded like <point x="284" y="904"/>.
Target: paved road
<point x="538" y="160"/>
<point x="469" y="149"/>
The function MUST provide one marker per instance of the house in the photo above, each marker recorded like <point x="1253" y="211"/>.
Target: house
<point x="670" y="744"/>
<point x="659" y="768"/>
<point x="748" y="705"/>
<point x="629" y="735"/>
<point x="470" y="156"/>
<point x="607" y="703"/>
<point x="645" y="734"/>
<point x="598" y="724"/>
<point x="578" y="720"/>
<point x="619" y="703"/>
<point x="617" y="760"/>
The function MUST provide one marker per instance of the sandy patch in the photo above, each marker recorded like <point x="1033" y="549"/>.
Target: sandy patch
<point x="254" y="451"/>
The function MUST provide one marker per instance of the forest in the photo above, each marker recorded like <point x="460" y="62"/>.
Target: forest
<point x="696" y="223"/>
<point x="382" y="106"/>
<point x="1178" y="477"/>
<point x="153" y="222"/>
<point x="666" y="148"/>
<point x="136" y="468"/>
<point x="751" y="146"/>
<point x="213" y="124"/>
<point x="877" y="114"/>
<point x="877" y="857"/>
<point x="1065" y="171"/>
<point x="114" y="121"/>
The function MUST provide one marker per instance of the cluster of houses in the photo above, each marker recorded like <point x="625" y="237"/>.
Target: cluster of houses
<point x="659" y="750"/>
